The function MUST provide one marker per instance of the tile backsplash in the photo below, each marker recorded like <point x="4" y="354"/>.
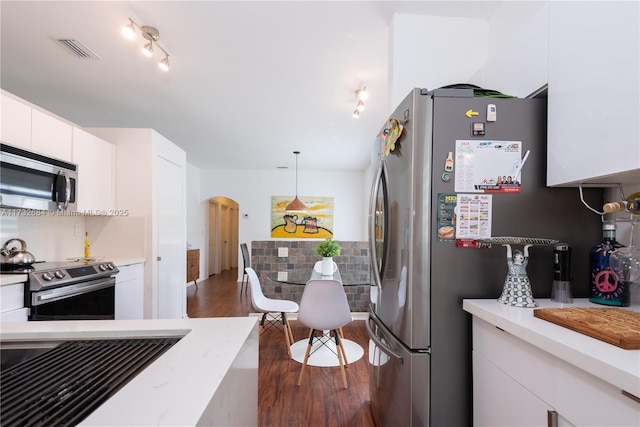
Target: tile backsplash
<point x="354" y="258"/>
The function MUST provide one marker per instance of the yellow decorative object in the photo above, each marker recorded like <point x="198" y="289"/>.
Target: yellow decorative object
<point x="391" y="132"/>
<point x="87" y="246"/>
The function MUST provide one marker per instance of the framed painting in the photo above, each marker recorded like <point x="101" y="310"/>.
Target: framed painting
<point x="315" y="223"/>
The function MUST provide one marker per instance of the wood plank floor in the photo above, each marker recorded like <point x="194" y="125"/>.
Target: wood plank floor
<point x="320" y="400"/>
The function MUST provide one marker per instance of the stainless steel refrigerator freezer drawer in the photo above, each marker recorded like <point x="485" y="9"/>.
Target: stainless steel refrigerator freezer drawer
<point x="399" y="380"/>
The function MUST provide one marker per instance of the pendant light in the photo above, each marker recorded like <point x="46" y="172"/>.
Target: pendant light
<point x="296" y="205"/>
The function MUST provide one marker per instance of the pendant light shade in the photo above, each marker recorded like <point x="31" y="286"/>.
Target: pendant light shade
<point x="296" y="205"/>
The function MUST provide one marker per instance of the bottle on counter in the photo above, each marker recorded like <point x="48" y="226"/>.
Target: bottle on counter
<point x="87" y="245"/>
<point x="606" y="286"/>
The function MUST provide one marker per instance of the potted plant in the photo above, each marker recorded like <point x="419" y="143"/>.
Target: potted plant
<point x="327" y="249"/>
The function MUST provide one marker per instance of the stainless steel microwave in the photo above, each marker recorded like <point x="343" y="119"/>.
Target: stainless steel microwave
<point x="31" y="180"/>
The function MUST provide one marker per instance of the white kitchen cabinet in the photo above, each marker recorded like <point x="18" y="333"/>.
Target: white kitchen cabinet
<point x="150" y="181"/>
<point x="50" y="135"/>
<point x="517" y="384"/>
<point x="129" y="302"/>
<point x="12" y="307"/>
<point x="499" y="400"/>
<point x="593" y="108"/>
<point x="95" y="160"/>
<point x="15" y="122"/>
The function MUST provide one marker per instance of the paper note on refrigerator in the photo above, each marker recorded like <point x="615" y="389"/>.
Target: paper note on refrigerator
<point x="473" y="213"/>
<point x="488" y="166"/>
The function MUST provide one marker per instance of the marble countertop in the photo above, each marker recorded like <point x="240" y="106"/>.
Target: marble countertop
<point x="612" y="364"/>
<point x="177" y="388"/>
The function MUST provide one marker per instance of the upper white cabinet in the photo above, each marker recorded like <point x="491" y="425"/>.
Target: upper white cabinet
<point x="50" y="135"/>
<point x="15" y="122"/>
<point x="33" y="129"/>
<point x="594" y="88"/>
<point x="95" y="160"/>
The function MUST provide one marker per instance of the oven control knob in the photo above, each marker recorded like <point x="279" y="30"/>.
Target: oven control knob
<point x="47" y="276"/>
<point x="102" y="267"/>
<point x="110" y="266"/>
<point x="59" y="274"/>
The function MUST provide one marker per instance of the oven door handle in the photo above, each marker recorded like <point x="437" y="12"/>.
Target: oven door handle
<point x="50" y="295"/>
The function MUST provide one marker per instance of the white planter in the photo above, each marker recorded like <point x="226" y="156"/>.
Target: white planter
<point x="327" y="266"/>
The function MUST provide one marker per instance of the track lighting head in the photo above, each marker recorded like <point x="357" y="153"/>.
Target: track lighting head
<point x="362" y="94"/>
<point x="147" y="49"/>
<point x="129" y="30"/>
<point x="360" y="106"/>
<point x="356" y="113"/>
<point x="164" y="64"/>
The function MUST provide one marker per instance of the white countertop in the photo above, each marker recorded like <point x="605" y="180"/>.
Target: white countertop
<point x="612" y="364"/>
<point x="11" y="279"/>
<point x="176" y="389"/>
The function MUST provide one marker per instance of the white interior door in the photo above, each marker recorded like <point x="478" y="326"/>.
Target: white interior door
<point x="171" y="266"/>
<point x="213" y="240"/>
<point x="224" y="230"/>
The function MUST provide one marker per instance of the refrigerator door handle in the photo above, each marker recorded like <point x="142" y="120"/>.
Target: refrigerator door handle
<point x="386" y="348"/>
<point x="372" y="226"/>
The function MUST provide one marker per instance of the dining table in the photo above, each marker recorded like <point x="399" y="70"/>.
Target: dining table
<point x="323" y="352"/>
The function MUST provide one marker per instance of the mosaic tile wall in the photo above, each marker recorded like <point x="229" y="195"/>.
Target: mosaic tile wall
<point x="354" y="258"/>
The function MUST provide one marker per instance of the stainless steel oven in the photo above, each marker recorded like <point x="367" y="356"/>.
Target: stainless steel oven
<point x="73" y="290"/>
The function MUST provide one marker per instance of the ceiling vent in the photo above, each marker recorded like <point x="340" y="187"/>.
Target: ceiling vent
<point x="77" y="49"/>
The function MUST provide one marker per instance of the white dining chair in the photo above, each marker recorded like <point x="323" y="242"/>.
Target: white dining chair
<point x="274" y="310"/>
<point x="324" y="307"/>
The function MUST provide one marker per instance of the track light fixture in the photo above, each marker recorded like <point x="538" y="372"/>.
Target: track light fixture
<point x="152" y="35"/>
<point x="361" y="95"/>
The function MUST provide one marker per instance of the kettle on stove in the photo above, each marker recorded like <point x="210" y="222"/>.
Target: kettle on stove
<point x="15" y="256"/>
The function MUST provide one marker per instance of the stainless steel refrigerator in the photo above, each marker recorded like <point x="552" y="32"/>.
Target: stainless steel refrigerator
<point x="420" y="346"/>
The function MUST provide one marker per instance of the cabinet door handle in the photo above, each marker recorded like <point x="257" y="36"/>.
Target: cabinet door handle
<point x="631" y="396"/>
<point x="552" y="419"/>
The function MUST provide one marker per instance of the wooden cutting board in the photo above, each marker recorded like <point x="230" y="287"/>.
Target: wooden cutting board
<point x="616" y="326"/>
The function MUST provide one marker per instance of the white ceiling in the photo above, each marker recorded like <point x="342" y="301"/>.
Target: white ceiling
<point x="250" y="82"/>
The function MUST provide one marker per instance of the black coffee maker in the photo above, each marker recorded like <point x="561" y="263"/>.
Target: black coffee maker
<point x="561" y="290"/>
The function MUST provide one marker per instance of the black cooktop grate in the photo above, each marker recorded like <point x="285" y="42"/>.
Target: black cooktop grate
<point x="64" y="385"/>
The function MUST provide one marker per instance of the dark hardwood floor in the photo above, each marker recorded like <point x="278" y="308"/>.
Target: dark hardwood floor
<point x="320" y="400"/>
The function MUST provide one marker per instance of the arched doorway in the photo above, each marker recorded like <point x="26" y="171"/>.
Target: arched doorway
<point x="223" y="235"/>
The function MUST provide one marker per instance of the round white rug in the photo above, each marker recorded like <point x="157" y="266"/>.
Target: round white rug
<point x="324" y="354"/>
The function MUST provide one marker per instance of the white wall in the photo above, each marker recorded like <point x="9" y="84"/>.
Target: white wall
<point x="196" y="217"/>
<point x="434" y="51"/>
<point x="252" y="190"/>
<point x="518" y="48"/>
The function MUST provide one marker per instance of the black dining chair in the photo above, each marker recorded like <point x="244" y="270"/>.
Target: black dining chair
<point x="246" y="260"/>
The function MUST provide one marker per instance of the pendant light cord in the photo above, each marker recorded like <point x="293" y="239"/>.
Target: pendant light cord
<point x="296" y="153"/>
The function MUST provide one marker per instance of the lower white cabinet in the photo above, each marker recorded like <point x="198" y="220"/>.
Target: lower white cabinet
<point x="518" y="384"/>
<point x="129" y="302"/>
<point x="12" y="307"/>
